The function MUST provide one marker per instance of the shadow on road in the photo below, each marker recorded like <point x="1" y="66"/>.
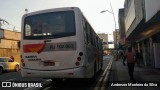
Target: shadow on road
<point x="73" y="84"/>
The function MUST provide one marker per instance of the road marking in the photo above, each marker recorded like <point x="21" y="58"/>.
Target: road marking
<point x="48" y="80"/>
<point x="31" y="88"/>
<point x="47" y="88"/>
<point x="104" y="77"/>
<point x="10" y="79"/>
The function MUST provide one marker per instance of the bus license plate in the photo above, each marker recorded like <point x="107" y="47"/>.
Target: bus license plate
<point x="49" y="63"/>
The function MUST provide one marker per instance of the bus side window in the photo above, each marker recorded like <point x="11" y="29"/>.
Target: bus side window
<point x="91" y="35"/>
<point x="94" y="39"/>
<point x="84" y="31"/>
<point x="96" y="42"/>
<point x="87" y="33"/>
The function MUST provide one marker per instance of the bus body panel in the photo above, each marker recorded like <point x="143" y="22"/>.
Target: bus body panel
<point x="68" y="73"/>
<point x="55" y="61"/>
<point x="62" y="59"/>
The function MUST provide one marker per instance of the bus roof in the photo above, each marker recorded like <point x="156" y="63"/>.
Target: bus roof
<point x="51" y="10"/>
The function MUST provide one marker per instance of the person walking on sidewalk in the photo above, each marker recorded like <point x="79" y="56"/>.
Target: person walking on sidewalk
<point x="124" y="59"/>
<point x="137" y="58"/>
<point x="129" y="54"/>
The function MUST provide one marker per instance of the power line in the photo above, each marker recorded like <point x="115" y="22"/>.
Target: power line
<point x="6" y="25"/>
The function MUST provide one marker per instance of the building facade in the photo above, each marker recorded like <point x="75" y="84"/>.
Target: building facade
<point x="116" y="38"/>
<point x="104" y="39"/>
<point x="122" y="36"/>
<point x="9" y="44"/>
<point x="142" y="29"/>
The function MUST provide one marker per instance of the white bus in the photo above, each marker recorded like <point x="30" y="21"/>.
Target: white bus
<point x="59" y="43"/>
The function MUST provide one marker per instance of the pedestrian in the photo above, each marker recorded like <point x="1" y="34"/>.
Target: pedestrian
<point x="121" y="55"/>
<point x="12" y="58"/>
<point x="124" y="59"/>
<point x="129" y="54"/>
<point x="137" y="58"/>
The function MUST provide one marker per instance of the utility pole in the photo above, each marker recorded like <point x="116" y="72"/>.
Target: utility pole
<point x="116" y="56"/>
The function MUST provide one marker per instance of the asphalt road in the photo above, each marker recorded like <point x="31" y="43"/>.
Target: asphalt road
<point x="47" y="84"/>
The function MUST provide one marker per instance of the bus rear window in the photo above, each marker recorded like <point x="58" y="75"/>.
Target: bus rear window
<point x="50" y="25"/>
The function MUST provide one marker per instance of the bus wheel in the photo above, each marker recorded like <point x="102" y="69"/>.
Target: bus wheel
<point x="101" y="66"/>
<point x="95" y="71"/>
<point x="95" y="68"/>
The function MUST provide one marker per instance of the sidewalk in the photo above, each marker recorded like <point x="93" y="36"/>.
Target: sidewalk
<point x="119" y="74"/>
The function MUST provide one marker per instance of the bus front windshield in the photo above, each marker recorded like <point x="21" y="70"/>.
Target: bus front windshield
<point x="49" y="25"/>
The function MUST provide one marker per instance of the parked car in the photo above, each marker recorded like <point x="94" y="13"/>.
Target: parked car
<point x="8" y="64"/>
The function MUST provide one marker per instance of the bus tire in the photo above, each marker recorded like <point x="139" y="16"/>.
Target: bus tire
<point x="95" y="71"/>
<point x="56" y="80"/>
<point x="101" y="66"/>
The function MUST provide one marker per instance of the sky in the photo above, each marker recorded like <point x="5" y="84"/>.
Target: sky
<point x="13" y="10"/>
